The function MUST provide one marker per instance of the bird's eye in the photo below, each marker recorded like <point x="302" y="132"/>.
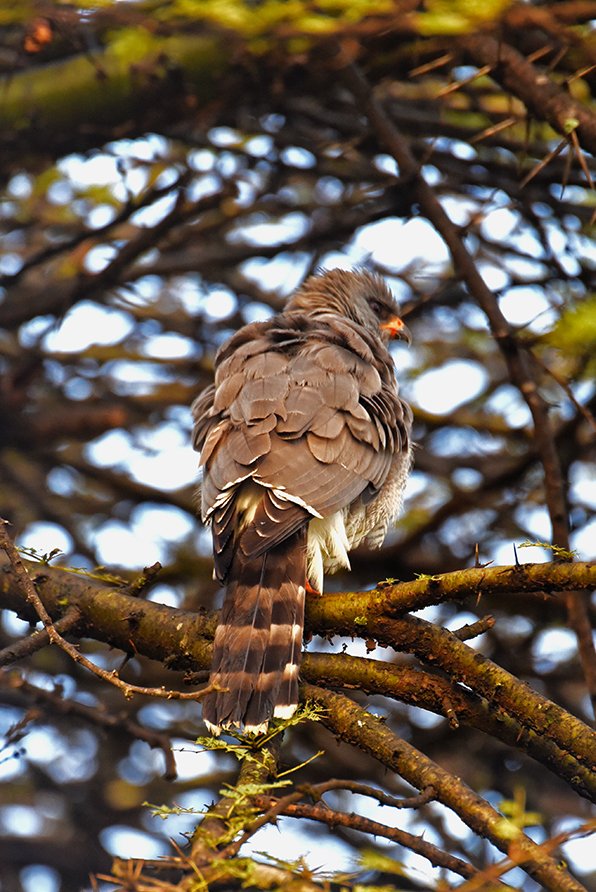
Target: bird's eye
<point x="376" y="306"/>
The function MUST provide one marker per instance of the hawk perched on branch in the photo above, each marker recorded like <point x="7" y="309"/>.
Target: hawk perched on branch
<point x="305" y="450"/>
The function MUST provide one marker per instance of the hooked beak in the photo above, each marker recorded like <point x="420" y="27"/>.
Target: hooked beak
<point x="397" y="329"/>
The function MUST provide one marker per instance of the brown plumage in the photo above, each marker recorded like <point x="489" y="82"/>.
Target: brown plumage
<point x="305" y="450"/>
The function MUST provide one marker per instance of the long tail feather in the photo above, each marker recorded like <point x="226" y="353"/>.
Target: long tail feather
<point x="259" y="638"/>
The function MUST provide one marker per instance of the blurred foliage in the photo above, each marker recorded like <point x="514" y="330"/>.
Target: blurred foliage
<point x="575" y="333"/>
<point x="460" y="17"/>
<point x="173" y="170"/>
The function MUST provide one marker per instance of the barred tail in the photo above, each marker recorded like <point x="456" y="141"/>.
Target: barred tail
<point x="258" y="641"/>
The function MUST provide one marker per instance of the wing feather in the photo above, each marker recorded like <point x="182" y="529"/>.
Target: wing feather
<point x="309" y="413"/>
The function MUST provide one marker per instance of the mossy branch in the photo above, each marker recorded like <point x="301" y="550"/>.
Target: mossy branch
<point x="443" y="649"/>
<point x="393" y="599"/>
<point x="460" y="705"/>
<point x="500" y="705"/>
<point x="95" y="93"/>
<point x="352" y="724"/>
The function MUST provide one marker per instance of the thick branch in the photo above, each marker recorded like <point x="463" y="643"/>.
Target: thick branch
<point x="443" y="649"/>
<point x="81" y="101"/>
<point x="354" y="725"/>
<point x="514" y="354"/>
<point x="439" y="695"/>
<point x="182" y="640"/>
<point x="395" y="599"/>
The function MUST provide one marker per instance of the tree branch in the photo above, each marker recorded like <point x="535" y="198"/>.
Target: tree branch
<point x="54" y="702"/>
<point x="183" y="640"/>
<point x="437" y="694"/>
<point x="325" y="815"/>
<point x="514" y="353"/>
<point x="354" y="725"/>
<point x="393" y="599"/>
<point x="79" y="102"/>
<point x="443" y="649"/>
<point x="27" y="588"/>
<point x="542" y="97"/>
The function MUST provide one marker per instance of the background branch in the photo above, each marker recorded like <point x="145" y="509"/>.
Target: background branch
<point x="167" y="175"/>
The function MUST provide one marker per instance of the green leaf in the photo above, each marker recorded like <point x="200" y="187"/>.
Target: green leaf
<point x="34" y="555"/>
<point x="239" y="751"/>
<point x="248" y="791"/>
<point x="164" y="811"/>
<point x="515" y="810"/>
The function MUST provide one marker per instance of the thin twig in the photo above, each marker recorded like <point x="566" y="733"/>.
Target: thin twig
<point x="485" y="879"/>
<point x="333" y="818"/>
<point x="39" y="639"/>
<point x="54" y="637"/>
<point x="96" y="715"/>
<point x="472" y="630"/>
<point x="315" y="791"/>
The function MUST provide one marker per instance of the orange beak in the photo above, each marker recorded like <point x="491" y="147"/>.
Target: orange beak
<point x="397" y="328"/>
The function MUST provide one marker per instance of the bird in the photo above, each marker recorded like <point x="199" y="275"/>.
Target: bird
<point x="305" y="449"/>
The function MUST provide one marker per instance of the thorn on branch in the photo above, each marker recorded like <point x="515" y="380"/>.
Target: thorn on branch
<point x="445" y="59"/>
<point x="478" y="564"/>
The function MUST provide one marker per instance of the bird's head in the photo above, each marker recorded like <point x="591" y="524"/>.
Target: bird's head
<point x="358" y="295"/>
